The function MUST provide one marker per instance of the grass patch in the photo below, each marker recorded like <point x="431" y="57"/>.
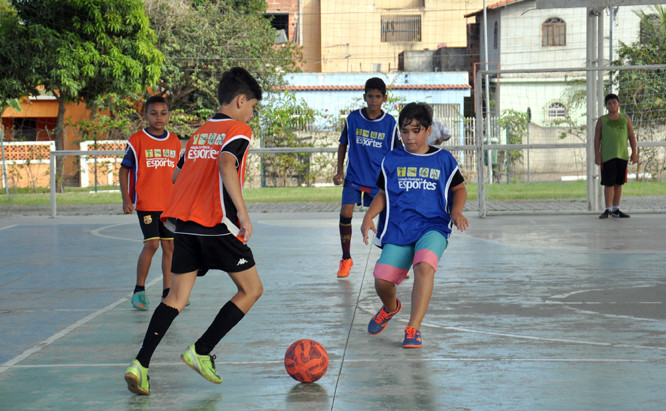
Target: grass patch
<point x="534" y="191"/>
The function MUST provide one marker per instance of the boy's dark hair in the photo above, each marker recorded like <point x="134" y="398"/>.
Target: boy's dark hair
<point x="375" y="83"/>
<point x="154" y="99"/>
<point x="611" y="96"/>
<point x="237" y="81"/>
<point x="421" y="112"/>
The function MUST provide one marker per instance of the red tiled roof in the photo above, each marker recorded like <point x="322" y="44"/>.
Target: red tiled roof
<point x="394" y="87"/>
<point x="493" y="6"/>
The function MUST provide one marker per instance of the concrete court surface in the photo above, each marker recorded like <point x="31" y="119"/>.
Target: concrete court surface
<point x="529" y="313"/>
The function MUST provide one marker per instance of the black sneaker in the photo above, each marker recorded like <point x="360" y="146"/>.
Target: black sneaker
<point x="619" y="214"/>
<point x="605" y="214"/>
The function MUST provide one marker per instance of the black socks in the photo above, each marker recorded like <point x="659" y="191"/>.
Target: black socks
<point x="159" y="324"/>
<point x="225" y="320"/>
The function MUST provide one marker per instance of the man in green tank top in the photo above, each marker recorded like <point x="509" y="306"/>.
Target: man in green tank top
<point x="611" y="153"/>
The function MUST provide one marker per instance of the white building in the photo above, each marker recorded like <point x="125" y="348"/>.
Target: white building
<point x="522" y="37"/>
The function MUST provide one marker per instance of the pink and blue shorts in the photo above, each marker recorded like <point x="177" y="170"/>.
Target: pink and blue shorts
<point x="395" y="260"/>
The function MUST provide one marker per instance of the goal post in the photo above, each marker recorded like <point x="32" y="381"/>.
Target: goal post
<point x="551" y="146"/>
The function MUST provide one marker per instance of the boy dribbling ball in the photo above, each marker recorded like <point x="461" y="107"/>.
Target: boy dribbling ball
<point x="212" y="228"/>
<point x="418" y="185"/>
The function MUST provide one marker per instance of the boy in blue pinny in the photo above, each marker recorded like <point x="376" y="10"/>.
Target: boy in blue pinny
<point x="422" y="195"/>
<point x="368" y="135"/>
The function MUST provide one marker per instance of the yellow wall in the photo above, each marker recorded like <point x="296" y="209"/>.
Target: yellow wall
<point x="351" y="31"/>
<point x="311" y="41"/>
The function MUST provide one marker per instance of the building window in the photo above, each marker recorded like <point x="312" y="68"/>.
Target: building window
<point x="557" y="111"/>
<point x="495" y="36"/>
<point x="554" y="32"/>
<point x="25" y="129"/>
<point x="280" y="23"/>
<point x="401" y="28"/>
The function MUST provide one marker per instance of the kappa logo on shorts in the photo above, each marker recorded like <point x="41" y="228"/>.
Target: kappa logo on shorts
<point x="147" y="219"/>
<point x="242" y="261"/>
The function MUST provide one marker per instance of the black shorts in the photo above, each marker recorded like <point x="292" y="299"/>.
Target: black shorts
<point x="203" y="253"/>
<point x="614" y="172"/>
<point x="151" y="226"/>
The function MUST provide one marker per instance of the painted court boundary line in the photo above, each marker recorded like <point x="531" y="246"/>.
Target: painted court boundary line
<point x="55" y="337"/>
<point x="369" y="360"/>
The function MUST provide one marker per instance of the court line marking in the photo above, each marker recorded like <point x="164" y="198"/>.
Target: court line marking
<point x="55" y="337"/>
<point x="366" y="360"/>
<point x="97" y="232"/>
<point x="351" y="326"/>
<point x="527" y="337"/>
<point x="9" y="226"/>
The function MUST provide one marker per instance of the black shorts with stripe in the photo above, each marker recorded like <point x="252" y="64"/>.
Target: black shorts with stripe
<point x="151" y="226"/>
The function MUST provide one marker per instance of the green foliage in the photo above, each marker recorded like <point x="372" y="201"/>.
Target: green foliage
<point x="81" y="49"/>
<point x="113" y="118"/>
<point x="201" y="39"/>
<point x="282" y="117"/>
<point x="76" y="50"/>
<point x="516" y="122"/>
<point x="642" y="92"/>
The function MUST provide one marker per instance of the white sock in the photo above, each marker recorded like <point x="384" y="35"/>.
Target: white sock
<point x="615" y="208"/>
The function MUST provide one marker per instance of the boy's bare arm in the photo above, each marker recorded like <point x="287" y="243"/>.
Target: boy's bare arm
<point x="342" y="152"/>
<point x="123" y="176"/>
<point x="376" y="207"/>
<point x="597" y="143"/>
<point x="632" y="141"/>
<point x="458" y="200"/>
<point x="227" y="168"/>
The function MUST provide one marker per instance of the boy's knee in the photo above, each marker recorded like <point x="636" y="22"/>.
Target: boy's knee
<point x="424" y="268"/>
<point x="151" y="245"/>
<point x="254" y="291"/>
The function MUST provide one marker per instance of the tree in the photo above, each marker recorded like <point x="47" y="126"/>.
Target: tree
<point x="642" y="92"/>
<point x="202" y="38"/>
<point x="76" y="50"/>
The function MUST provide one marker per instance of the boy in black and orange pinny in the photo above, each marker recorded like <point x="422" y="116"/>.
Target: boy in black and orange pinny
<point x="212" y="228"/>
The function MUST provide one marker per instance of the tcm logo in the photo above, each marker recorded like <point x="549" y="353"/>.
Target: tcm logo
<point x="157" y="152"/>
<point x="209" y="138"/>
<point x="423" y="172"/>
<point x="206" y="152"/>
<point x="417" y="185"/>
<point x="375" y="135"/>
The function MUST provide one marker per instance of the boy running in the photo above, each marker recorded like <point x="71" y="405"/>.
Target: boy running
<point x="422" y="195"/>
<point x="369" y="134"/>
<point x="212" y="228"/>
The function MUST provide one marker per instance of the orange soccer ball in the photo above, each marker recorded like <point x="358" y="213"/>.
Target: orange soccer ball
<point x="306" y="360"/>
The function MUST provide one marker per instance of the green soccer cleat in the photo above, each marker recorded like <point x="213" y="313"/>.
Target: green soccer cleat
<point x="203" y="364"/>
<point x="137" y="379"/>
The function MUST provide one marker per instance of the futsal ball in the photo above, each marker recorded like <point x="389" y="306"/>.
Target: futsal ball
<point x="306" y="360"/>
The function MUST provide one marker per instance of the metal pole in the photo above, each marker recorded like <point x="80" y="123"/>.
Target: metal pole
<point x="528" y="152"/>
<point x="95" y="159"/>
<point x="485" y="51"/>
<point x="52" y="188"/>
<point x="600" y="89"/>
<point x="478" y="103"/>
<point x="592" y="173"/>
<point x="4" y="164"/>
<point x="612" y="10"/>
